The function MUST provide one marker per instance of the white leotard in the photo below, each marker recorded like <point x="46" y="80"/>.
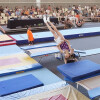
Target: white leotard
<point x="58" y="40"/>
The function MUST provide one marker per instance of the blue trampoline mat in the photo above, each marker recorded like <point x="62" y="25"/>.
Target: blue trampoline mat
<point x="94" y="93"/>
<point x="20" y="69"/>
<point x="68" y="33"/>
<point x="79" y="70"/>
<point x="19" y="84"/>
<point x="42" y="45"/>
<point x="8" y="50"/>
<point x="1" y="33"/>
<point x="43" y="74"/>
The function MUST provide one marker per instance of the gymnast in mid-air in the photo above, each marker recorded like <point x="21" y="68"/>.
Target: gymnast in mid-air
<point x="62" y="43"/>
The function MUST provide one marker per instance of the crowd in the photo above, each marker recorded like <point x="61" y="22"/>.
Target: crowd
<point x="60" y="12"/>
<point x="32" y="11"/>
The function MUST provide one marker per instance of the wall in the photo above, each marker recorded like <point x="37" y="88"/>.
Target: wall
<point x="64" y="3"/>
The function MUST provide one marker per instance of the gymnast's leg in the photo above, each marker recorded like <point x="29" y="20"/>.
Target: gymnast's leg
<point x="49" y="27"/>
<point x="55" y="29"/>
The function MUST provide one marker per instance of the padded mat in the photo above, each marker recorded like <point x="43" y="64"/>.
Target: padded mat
<point x="9" y="50"/>
<point x="16" y="63"/>
<point x="4" y="38"/>
<point x="79" y="70"/>
<point x="90" y="83"/>
<point x="18" y="84"/>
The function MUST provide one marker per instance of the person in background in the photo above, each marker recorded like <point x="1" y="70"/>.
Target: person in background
<point x="79" y="21"/>
<point x="49" y="8"/>
<point x="77" y="16"/>
<point x="30" y="36"/>
<point x="2" y="29"/>
<point x="68" y="24"/>
<point x="18" y="13"/>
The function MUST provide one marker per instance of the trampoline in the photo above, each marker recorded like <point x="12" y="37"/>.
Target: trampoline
<point x="5" y="38"/>
<point x="10" y="50"/>
<point x="16" y="63"/>
<point x="47" y="36"/>
<point x="35" y="51"/>
<point x="50" y="81"/>
<point x="92" y="85"/>
<point x="1" y="33"/>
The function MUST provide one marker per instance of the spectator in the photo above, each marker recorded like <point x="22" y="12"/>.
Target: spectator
<point x="18" y="13"/>
<point x="68" y="24"/>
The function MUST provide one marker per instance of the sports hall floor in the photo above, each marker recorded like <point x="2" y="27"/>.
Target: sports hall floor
<point x="85" y="43"/>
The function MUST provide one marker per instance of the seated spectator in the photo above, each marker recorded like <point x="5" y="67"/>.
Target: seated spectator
<point x="24" y="16"/>
<point x="32" y="16"/>
<point x="68" y="24"/>
<point x="54" y="13"/>
<point x="79" y="23"/>
<point x="1" y="9"/>
<point x="31" y="12"/>
<point x="49" y="8"/>
<point x="26" y="12"/>
<point x="18" y="13"/>
<point x="77" y="16"/>
<point x="8" y="13"/>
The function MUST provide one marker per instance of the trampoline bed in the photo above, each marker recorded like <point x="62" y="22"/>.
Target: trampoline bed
<point x="4" y="38"/>
<point x="17" y="62"/>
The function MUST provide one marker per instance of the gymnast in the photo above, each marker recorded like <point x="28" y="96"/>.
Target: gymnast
<point x="62" y="43"/>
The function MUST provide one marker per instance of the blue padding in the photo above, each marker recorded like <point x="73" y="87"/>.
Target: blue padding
<point x="48" y="36"/>
<point x="78" y="70"/>
<point x="44" y="53"/>
<point x="82" y="53"/>
<point x="43" y="74"/>
<point x="50" y="52"/>
<point x="39" y="46"/>
<point x="19" y="84"/>
<point x="1" y="33"/>
<point x="90" y="52"/>
<point x="94" y="93"/>
<point x="8" y="50"/>
<point x="20" y="69"/>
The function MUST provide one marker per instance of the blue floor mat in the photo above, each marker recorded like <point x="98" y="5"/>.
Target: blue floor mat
<point x="19" y="84"/>
<point x="8" y="50"/>
<point x="79" y="70"/>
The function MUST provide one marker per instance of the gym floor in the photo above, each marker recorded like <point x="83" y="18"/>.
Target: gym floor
<point x="85" y="43"/>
